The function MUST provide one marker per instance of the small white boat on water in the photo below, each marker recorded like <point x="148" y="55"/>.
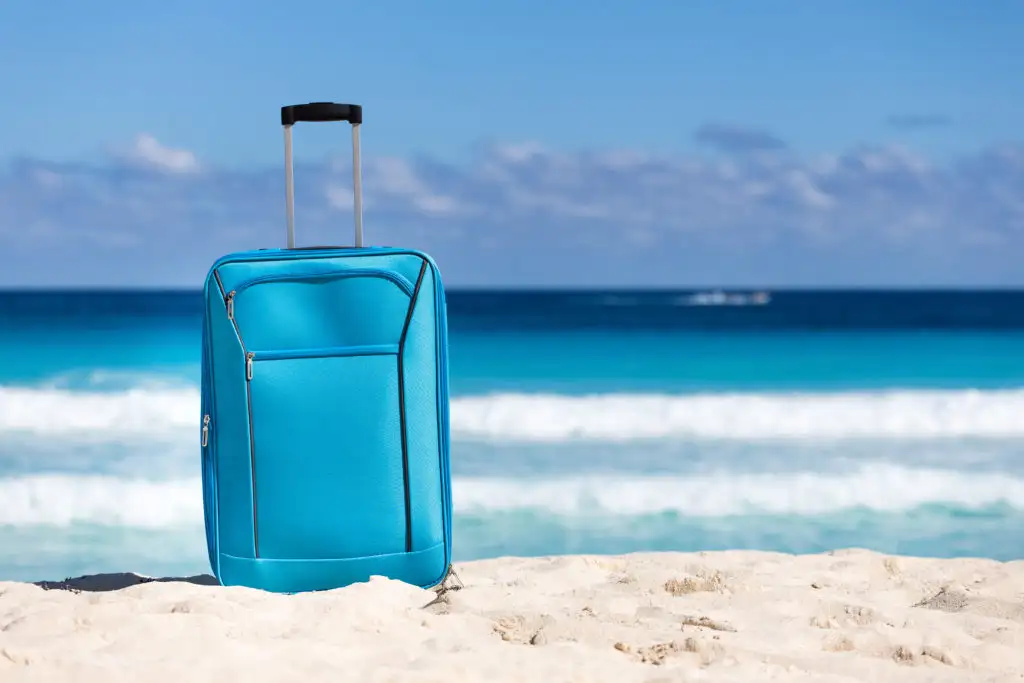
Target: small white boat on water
<point x="721" y="298"/>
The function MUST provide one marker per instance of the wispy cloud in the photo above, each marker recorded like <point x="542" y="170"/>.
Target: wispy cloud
<point x="908" y="122"/>
<point x="735" y="139"/>
<point x="524" y="214"/>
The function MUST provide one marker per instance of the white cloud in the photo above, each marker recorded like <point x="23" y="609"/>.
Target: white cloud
<point x="517" y="152"/>
<point x="340" y="197"/>
<point x="869" y="215"/>
<point x="397" y="180"/>
<point x="149" y="152"/>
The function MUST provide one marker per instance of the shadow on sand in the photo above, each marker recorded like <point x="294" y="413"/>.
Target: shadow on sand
<point x="98" y="583"/>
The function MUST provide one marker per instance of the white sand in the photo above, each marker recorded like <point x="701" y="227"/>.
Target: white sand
<point x="733" y="616"/>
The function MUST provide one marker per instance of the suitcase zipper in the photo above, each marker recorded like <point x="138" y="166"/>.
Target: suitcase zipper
<point x="401" y="407"/>
<point x="442" y="340"/>
<point x="206" y="430"/>
<point x="229" y="303"/>
<point x="402" y="283"/>
<point x="330" y="352"/>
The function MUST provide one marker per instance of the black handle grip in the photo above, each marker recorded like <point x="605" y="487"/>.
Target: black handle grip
<point x="321" y="111"/>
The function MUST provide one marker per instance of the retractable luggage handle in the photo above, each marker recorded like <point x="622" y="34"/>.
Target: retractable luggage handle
<point x="323" y="111"/>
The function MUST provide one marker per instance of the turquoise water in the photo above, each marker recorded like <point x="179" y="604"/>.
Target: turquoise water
<point x="748" y="361"/>
<point x="582" y="422"/>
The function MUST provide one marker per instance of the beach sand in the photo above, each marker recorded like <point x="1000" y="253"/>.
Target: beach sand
<point x="721" y="616"/>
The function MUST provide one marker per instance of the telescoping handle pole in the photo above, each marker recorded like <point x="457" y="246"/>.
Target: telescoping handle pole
<point x="323" y="111"/>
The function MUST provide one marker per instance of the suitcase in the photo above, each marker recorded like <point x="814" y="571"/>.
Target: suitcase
<point x="325" y="428"/>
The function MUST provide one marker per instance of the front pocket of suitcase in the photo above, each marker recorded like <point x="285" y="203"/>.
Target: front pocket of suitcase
<point x="329" y="309"/>
<point x="327" y="449"/>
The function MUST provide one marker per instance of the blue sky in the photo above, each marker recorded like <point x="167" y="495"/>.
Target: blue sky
<point x="834" y="143"/>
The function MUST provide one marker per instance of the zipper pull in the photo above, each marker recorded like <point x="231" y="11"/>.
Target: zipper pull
<point x="229" y="301"/>
<point x="206" y="430"/>
<point x="248" y="365"/>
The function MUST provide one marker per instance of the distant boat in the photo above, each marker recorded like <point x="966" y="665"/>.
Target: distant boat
<point x="719" y="298"/>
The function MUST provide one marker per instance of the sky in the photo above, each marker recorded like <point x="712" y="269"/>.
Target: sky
<point x="707" y="143"/>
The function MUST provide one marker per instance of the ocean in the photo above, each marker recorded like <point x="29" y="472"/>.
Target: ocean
<point x="582" y="422"/>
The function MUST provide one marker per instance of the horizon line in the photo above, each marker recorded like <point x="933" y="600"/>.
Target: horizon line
<point x="549" y="289"/>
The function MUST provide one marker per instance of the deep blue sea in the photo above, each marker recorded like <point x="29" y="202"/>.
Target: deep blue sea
<point x="582" y="422"/>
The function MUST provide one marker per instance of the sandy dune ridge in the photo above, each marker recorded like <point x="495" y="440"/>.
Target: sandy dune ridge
<point x="742" y="616"/>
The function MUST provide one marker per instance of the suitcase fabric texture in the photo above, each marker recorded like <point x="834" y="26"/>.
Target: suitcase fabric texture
<point x="325" y="429"/>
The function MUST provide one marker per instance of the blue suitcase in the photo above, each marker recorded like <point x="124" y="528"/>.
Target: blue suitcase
<point x="325" y="408"/>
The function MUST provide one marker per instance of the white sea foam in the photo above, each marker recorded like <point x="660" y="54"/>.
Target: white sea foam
<point x="60" y="500"/>
<point x="161" y="412"/>
<point x="55" y="412"/>
<point x="874" y="487"/>
<point x="623" y="417"/>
